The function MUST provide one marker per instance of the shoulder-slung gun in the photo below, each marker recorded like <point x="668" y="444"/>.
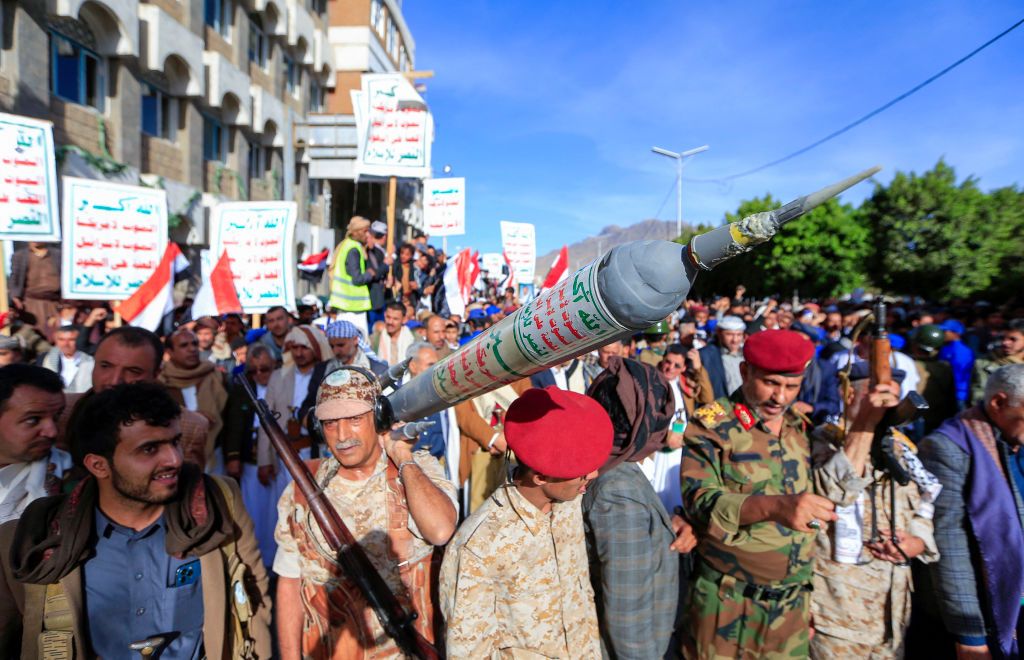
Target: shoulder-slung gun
<point x="883" y="449"/>
<point x="397" y="623"/>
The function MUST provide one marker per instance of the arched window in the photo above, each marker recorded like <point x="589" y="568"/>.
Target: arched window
<point x="77" y="73"/>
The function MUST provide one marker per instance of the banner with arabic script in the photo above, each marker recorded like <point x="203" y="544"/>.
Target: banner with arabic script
<point x="519" y="241"/>
<point x="114" y="237"/>
<point x="260" y="241"/>
<point x="28" y="183"/>
<point x="394" y="128"/>
<point x="444" y="207"/>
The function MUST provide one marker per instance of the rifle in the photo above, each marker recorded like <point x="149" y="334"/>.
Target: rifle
<point x="883" y="449"/>
<point x="397" y="623"/>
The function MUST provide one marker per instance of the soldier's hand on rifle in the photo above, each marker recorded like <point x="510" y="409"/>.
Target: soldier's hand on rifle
<point x="798" y="512"/>
<point x="266" y="473"/>
<point x="867" y="411"/>
<point x="686" y="540"/>
<point x="885" y="550"/>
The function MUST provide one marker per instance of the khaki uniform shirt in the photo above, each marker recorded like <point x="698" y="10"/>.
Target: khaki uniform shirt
<point x="515" y="583"/>
<point x="867" y="603"/>
<point x="362" y="506"/>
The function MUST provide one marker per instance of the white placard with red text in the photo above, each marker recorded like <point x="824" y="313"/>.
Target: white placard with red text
<point x="444" y="206"/>
<point x="28" y="180"/>
<point x="259" y="238"/>
<point x="114" y="237"/>
<point x="394" y="128"/>
<point x="519" y="241"/>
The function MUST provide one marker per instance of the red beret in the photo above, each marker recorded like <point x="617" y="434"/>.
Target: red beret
<point x="779" y="351"/>
<point x="557" y="433"/>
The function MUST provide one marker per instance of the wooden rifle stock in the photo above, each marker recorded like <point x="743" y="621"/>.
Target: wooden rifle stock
<point x="881" y="349"/>
<point x="397" y="623"/>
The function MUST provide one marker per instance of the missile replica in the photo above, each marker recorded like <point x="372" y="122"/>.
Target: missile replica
<point x="626" y="290"/>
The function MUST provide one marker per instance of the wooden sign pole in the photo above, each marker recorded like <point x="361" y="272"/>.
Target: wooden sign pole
<point x="392" y="194"/>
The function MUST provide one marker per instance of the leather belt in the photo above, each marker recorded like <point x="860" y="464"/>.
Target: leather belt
<point x="756" y="591"/>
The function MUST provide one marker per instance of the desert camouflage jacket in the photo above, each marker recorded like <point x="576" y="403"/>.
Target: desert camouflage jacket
<point x="728" y="456"/>
<point x="515" y="583"/>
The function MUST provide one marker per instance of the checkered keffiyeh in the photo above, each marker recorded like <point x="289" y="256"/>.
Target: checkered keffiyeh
<point x="342" y="330"/>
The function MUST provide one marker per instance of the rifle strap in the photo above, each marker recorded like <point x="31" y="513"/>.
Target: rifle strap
<point x="238" y="592"/>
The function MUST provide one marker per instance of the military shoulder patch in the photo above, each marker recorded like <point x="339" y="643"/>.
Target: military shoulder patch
<point x="711" y="415"/>
<point x="744" y="415"/>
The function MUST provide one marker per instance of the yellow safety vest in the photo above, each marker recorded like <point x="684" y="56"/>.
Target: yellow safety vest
<point x="345" y="295"/>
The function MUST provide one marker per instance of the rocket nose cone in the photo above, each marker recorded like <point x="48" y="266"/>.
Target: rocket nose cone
<point x="642" y="282"/>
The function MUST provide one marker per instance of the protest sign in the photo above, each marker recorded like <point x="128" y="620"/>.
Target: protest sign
<point x="114" y="237"/>
<point x="444" y="206"/>
<point x="259" y="239"/>
<point x="394" y="129"/>
<point x="492" y="263"/>
<point x="518" y="240"/>
<point x="28" y="185"/>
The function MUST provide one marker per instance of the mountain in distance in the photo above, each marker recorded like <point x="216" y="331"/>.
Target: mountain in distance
<point x="583" y="252"/>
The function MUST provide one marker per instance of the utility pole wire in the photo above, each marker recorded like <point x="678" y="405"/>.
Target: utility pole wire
<point x="866" y="117"/>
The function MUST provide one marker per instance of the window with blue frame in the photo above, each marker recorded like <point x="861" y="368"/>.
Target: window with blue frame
<point x="259" y="45"/>
<point x="159" y="112"/>
<point x="77" y="74"/>
<point x="315" y="103"/>
<point x="217" y="14"/>
<point x="215" y="139"/>
<point x="291" y="74"/>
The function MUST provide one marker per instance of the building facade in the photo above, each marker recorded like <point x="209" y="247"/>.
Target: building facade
<point x="365" y="36"/>
<point x="204" y="98"/>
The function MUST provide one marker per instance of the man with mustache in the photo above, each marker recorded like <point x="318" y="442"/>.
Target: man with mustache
<point x="146" y="546"/>
<point x="31" y="400"/>
<point x="746" y="487"/>
<point x="397" y="504"/>
<point x="515" y="582"/>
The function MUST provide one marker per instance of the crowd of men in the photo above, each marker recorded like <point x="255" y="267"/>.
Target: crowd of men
<point x="726" y="483"/>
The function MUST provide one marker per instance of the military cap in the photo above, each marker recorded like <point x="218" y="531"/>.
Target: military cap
<point x="779" y="351"/>
<point x="558" y="433"/>
<point x="345" y="393"/>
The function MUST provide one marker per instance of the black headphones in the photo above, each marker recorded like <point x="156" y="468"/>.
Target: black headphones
<point x="383" y="413"/>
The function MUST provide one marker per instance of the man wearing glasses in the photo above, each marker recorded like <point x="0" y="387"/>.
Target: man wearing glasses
<point x="238" y="444"/>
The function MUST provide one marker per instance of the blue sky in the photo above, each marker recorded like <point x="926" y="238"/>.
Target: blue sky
<point x="549" y="109"/>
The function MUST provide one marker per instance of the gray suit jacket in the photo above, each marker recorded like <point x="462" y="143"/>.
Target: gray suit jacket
<point x="635" y="575"/>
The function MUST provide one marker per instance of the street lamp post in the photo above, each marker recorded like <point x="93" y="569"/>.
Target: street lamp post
<point x="679" y="158"/>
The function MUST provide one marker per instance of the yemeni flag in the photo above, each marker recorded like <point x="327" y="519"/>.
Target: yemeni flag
<point x="559" y="269"/>
<point x="510" y="279"/>
<point x="459" y="279"/>
<point x="217" y="295"/>
<point x="152" y="301"/>
<point x="312" y="267"/>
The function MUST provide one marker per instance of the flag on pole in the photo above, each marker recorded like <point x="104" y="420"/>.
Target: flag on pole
<point x="217" y="295"/>
<point x="559" y="269"/>
<point x="510" y="279"/>
<point x="152" y="301"/>
<point x="312" y="267"/>
<point x="459" y="279"/>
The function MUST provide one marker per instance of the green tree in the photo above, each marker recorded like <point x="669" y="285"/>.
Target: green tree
<point x="939" y="239"/>
<point x="820" y="254"/>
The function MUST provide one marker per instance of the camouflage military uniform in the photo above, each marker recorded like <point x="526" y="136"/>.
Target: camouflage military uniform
<point x="515" y="583"/>
<point x="862" y="610"/>
<point x="751" y="594"/>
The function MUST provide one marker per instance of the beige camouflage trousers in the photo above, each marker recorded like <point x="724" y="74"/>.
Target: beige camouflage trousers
<point x="827" y="647"/>
<point x="725" y="624"/>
